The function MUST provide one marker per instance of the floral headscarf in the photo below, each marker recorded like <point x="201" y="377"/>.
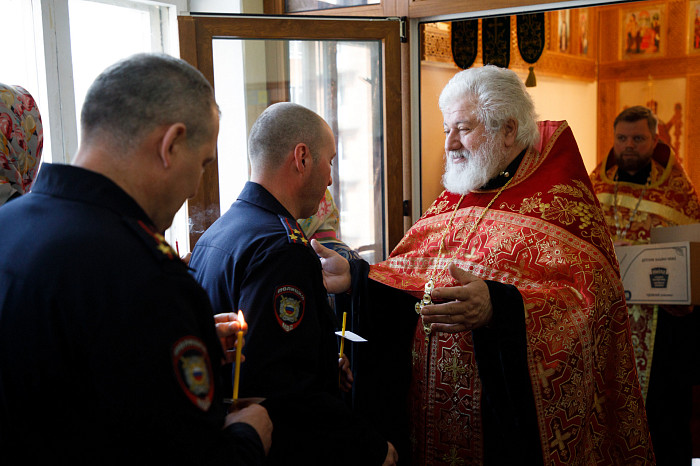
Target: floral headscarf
<point x="21" y="141"/>
<point x="323" y="227"/>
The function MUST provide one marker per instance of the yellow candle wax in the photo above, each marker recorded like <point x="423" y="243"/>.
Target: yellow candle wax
<point x="342" y="338"/>
<point x="239" y="347"/>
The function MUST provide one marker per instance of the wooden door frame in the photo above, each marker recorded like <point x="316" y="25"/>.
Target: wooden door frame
<point x="196" y="35"/>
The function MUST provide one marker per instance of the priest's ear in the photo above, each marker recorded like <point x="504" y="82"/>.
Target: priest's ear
<point x="510" y="132"/>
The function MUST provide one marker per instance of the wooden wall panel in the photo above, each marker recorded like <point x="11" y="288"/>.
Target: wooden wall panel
<point x="607" y="105"/>
<point x="693" y="129"/>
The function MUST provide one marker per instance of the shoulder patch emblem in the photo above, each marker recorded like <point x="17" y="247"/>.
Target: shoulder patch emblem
<point x="294" y="232"/>
<point x="155" y="241"/>
<point x="161" y="244"/>
<point x="289" y="307"/>
<point x="193" y="371"/>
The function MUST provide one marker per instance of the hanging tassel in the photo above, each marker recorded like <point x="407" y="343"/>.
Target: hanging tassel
<point x="531" y="81"/>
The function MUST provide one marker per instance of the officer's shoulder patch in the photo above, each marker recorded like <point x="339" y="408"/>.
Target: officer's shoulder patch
<point x="193" y="371"/>
<point x="289" y="306"/>
<point x="294" y="232"/>
<point x="156" y="242"/>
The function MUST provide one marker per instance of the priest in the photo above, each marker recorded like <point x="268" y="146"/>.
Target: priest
<point x="520" y="349"/>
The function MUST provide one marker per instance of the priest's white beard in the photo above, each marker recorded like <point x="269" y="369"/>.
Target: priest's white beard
<point x="474" y="169"/>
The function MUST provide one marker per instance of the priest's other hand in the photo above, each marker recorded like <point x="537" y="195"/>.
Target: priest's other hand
<point x="465" y="307"/>
<point x="336" y="269"/>
<point x="392" y="457"/>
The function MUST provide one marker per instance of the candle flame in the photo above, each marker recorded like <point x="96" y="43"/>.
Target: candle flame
<point x="241" y="320"/>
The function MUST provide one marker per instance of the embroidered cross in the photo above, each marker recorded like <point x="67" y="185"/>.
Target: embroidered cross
<point x="544" y="373"/>
<point x="453" y="459"/>
<point x="559" y="441"/>
<point x="455" y="368"/>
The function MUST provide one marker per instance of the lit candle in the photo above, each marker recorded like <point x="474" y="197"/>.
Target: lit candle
<point x="239" y="346"/>
<point x="342" y="337"/>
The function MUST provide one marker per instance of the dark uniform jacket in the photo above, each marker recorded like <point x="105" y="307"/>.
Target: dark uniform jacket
<point x="256" y="258"/>
<point x="108" y="350"/>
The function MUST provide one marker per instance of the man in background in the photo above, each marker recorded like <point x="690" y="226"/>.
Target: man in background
<point x="641" y="185"/>
<point x="108" y="349"/>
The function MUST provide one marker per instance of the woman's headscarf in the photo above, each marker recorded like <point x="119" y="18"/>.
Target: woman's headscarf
<point x="21" y="141"/>
<point x="323" y="226"/>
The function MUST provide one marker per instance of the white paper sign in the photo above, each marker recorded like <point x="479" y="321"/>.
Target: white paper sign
<point x="350" y="336"/>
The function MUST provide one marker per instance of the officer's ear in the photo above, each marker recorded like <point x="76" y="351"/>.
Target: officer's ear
<point x="301" y="155"/>
<point x="172" y="143"/>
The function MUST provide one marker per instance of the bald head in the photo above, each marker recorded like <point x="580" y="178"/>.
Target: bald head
<point x="279" y="129"/>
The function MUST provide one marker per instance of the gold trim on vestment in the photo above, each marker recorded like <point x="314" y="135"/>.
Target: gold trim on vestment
<point x="659" y="173"/>
<point x="625" y="200"/>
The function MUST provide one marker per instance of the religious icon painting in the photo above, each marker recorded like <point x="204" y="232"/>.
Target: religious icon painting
<point x="694" y="27"/>
<point x="643" y="31"/>
<point x="584" y="31"/>
<point x="564" y="31"/>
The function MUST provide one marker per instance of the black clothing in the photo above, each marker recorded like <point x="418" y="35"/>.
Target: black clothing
<point x="669" y="401"/>
<point x="641" y="177"/>
<point x="384" y="370"/>
<point x="502" y="178"/>
<point x="108" y="349"/>
<point x="508" y="405"/>
<point x="256" y="258"/>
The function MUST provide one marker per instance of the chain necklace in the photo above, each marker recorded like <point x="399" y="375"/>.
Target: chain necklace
<point x="430" y="284"/>
<point x="621" y="233"/>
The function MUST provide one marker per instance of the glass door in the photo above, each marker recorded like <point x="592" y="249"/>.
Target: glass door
<point x="345" y="70"/>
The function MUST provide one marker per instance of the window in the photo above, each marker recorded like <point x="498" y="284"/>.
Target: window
<point x="339" y="80"/>
<point x="25" y="68"/>
<point x="65" y="44"/>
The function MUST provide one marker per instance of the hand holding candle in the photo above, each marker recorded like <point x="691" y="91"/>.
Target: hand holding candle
<point x="342" y="335"/>
<point x="239" y="347"/>
<point x="345" y="377"/>
<point x="227" y="328"/>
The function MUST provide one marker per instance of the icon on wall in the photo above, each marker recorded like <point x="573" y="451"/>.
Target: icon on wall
<point x="564" y="30"/>
<point x="643" y="31"/>
<point x="694" y="26"/>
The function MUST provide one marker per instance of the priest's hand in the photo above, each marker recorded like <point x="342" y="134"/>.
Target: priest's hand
<point x="336" y="268"/>
<point x="392" y="457"/>
<point x="466" y="307"/>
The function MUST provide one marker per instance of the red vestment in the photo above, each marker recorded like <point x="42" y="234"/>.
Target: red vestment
<point x="670" y="199"/>
<point x="545" y="235"/>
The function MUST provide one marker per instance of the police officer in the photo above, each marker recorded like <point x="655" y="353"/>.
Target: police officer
<point x="108" y="348"/>
<point x="256" y="258"/>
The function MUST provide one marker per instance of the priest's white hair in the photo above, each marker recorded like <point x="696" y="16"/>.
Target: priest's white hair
<point x="499" y="95"/>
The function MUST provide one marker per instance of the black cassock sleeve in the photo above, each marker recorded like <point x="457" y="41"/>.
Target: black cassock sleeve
<point x="511" y="433"/>
<point x="386" y="317"/>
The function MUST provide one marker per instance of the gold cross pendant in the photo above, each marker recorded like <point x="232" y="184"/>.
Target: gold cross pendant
<point x="427" y="299"/>
<point x="429" y="287"/>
